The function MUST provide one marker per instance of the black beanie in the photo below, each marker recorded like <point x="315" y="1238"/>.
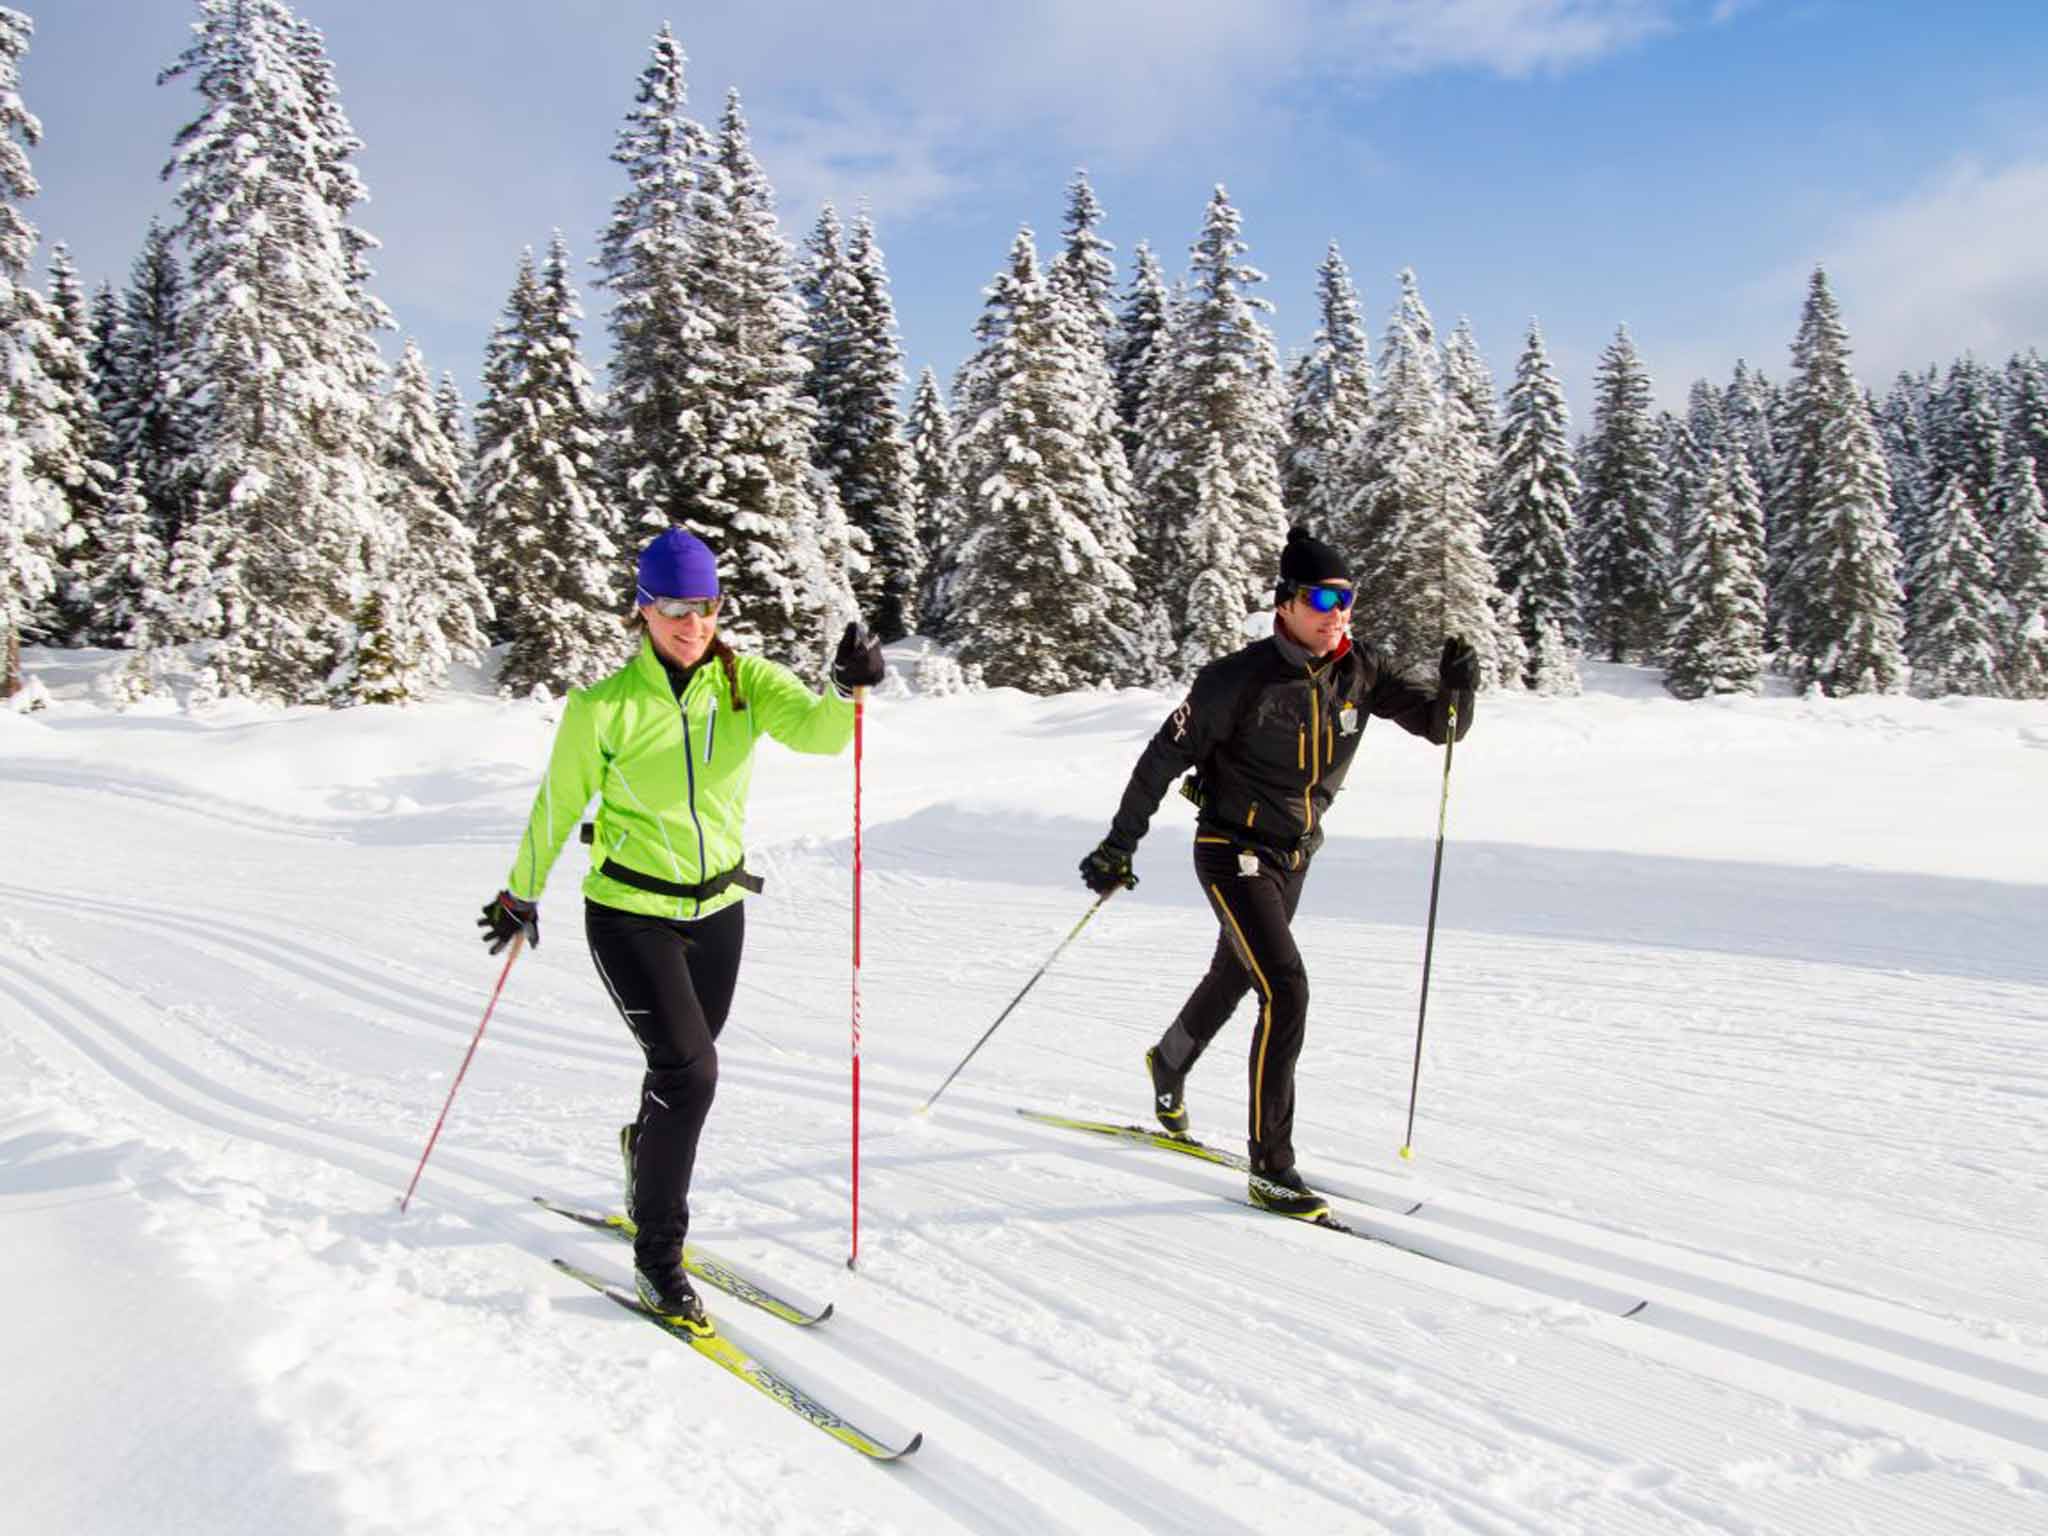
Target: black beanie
<point x="1307" y="560"/>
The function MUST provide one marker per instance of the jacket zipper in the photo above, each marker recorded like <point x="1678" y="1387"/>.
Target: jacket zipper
<point x="690" y="781"/>
<point x="1315" y="757"/>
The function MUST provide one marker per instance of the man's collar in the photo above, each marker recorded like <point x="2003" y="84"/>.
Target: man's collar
<point x="1296" y="654"/>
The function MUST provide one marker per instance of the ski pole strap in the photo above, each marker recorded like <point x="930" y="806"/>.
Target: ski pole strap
<point x="704" y="890"/>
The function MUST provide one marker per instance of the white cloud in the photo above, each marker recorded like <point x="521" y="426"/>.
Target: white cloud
<point x="1955" y="266"/>
<point x="1508" y="37"/>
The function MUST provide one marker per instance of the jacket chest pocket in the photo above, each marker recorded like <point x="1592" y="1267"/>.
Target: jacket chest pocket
<point x="1285" y="737"/>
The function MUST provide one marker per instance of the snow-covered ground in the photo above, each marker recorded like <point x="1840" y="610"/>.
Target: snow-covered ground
<point x="1738" y="1008"/>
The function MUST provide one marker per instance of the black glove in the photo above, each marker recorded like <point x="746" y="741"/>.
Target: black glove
<point x="858" y="661"/>
<point x="1459" y="668"/>
<point x="1108" y="869"/>
<point x="506" y="915"/>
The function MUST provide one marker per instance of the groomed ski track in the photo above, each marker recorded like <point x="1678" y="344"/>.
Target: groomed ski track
<point x="225" y="1039"/>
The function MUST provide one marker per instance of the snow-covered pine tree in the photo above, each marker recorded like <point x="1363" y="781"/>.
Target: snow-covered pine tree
<point x="452" y="416"/>
<point x="930" y="433"/>
<point x="1622" y="555"/>
<point x="1841" y="614"/>
<point x="1137" y="344"/>
<point x="2021" y="557"/>
<point x="1219" y="380"/>
<point x="106" y="336"/>
<point x="437" y="606"/>
<point x="1902" y="429"/>
<point x="277" y="339"/>
<point x="1529" y="527"/>
<point x="544" y="547"/>
<point x="1034" y="601"/>
<point x="871" y="462"/>
<point x="128" y="584"/>
<point x="1966" y="434"/>
<point x="151" y="422"/>
<point x="1414" y="523"/>
<point x="1952" y="627"/>
<point x="1717" y="599"/>
<point x="75" y="401"/>
<point x="2026" y="414"/>
<point x="1138" y="644"/>
<point x="36" y="459"/>
<point x="1329" y="399"/>
<point x="785" y="548"/>
<point x="1469" y="381"/>
<point x="1083" y="267"/>
<point x="647" y="261"/>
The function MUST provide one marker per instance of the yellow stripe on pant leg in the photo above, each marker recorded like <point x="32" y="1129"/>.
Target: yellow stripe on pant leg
<point x="1244" y="951"/>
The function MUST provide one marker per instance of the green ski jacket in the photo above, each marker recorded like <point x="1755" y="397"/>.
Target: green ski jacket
<point x="672" y="776"/>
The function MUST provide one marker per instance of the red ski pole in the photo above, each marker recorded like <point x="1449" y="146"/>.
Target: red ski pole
<point x="859" y="712"/>
<point x="510" y="955"/>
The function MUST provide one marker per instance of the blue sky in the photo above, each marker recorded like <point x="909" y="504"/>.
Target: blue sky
<point x="1675" y="165"/>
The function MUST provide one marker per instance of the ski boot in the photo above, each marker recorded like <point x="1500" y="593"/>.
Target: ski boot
<point x="665" y="1288"/>
<point x="1168" y="1086"/>
<point x="1284" y="1194"/>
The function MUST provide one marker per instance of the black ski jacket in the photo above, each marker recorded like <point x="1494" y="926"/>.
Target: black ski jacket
<point x="1272" y="731"/>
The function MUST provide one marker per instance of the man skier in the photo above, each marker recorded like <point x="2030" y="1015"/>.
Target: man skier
<point x="1270" y="731"/>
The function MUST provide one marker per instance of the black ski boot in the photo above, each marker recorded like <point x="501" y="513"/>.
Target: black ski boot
<point x="1284" y="1194"/>
<point x="666" y="1288"/>
<point x="1167" y="1089"/>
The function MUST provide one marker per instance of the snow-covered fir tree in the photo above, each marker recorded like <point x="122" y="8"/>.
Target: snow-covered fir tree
<point x="2021" y="557"/>
<point x="1329" y="397"/>
<point x="1966" y="434"/>
<point x="149" y="418"/>
<point x="1952" y="626"/>
<point x="1622" y="554"/>
<point x="75" y="402"/>
<point x="1841" y="616"/>
<point x="831" y="296"/>
<point x="278" y="339"/>
<point x="1469" y="381"/>
<point x="647" y="259"/>
<point x="1138" y="343"/>
<point x="544" y="544"/>
<point x="1717" y="599"/>
<point x="869" y="459"/>
<point x="432" y="604"/>
<point x="1219" y="381"/>
<point x="935" y="501"/>
<point x="1413" y="516"/>
<point x="127" y="586"/>
<point x="1084" y="269"/>
<point x="1529" y="526"/>
<point x="1034" y="601"/>
<point x="787" y="553"/>
<point x="37" y="461"/>
<point x="1902" y="429"/>
<point x="2026" y="414"/>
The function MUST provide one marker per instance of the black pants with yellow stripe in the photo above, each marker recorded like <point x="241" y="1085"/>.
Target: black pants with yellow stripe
<point x="1255" y="953"/>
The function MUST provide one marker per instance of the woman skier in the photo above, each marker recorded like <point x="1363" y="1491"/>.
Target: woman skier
<point x="666" y="745"/>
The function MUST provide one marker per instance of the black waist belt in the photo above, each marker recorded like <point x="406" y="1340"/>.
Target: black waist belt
<point x="703" y="891"/>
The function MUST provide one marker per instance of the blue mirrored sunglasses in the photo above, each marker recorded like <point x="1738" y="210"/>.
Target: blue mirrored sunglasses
<point x="1326" y="599"/>
<point x="677" y="607"/>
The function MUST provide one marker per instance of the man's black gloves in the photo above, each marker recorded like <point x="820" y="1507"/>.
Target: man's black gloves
<point x="1108" y="869"/>
<point x="858" y="661"/>
<point x="506" y="915"/>
<point x="1459" y="668"/>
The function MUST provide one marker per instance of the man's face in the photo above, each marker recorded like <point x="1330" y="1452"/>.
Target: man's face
<point x="1316" y="631"/>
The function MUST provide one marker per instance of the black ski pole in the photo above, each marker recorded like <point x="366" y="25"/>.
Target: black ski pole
<point x="1072" y="935"/>
<point x="1429" y="942"/>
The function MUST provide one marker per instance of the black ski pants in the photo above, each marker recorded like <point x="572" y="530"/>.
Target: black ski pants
<point x="672" y="982"/>
<point x="1254" y="894"/>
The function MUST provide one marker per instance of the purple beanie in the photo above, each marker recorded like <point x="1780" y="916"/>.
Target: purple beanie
<point x="677" y="564"/>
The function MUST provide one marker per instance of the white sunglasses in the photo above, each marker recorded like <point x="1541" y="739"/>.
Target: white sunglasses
<point x="677" y="607"/>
